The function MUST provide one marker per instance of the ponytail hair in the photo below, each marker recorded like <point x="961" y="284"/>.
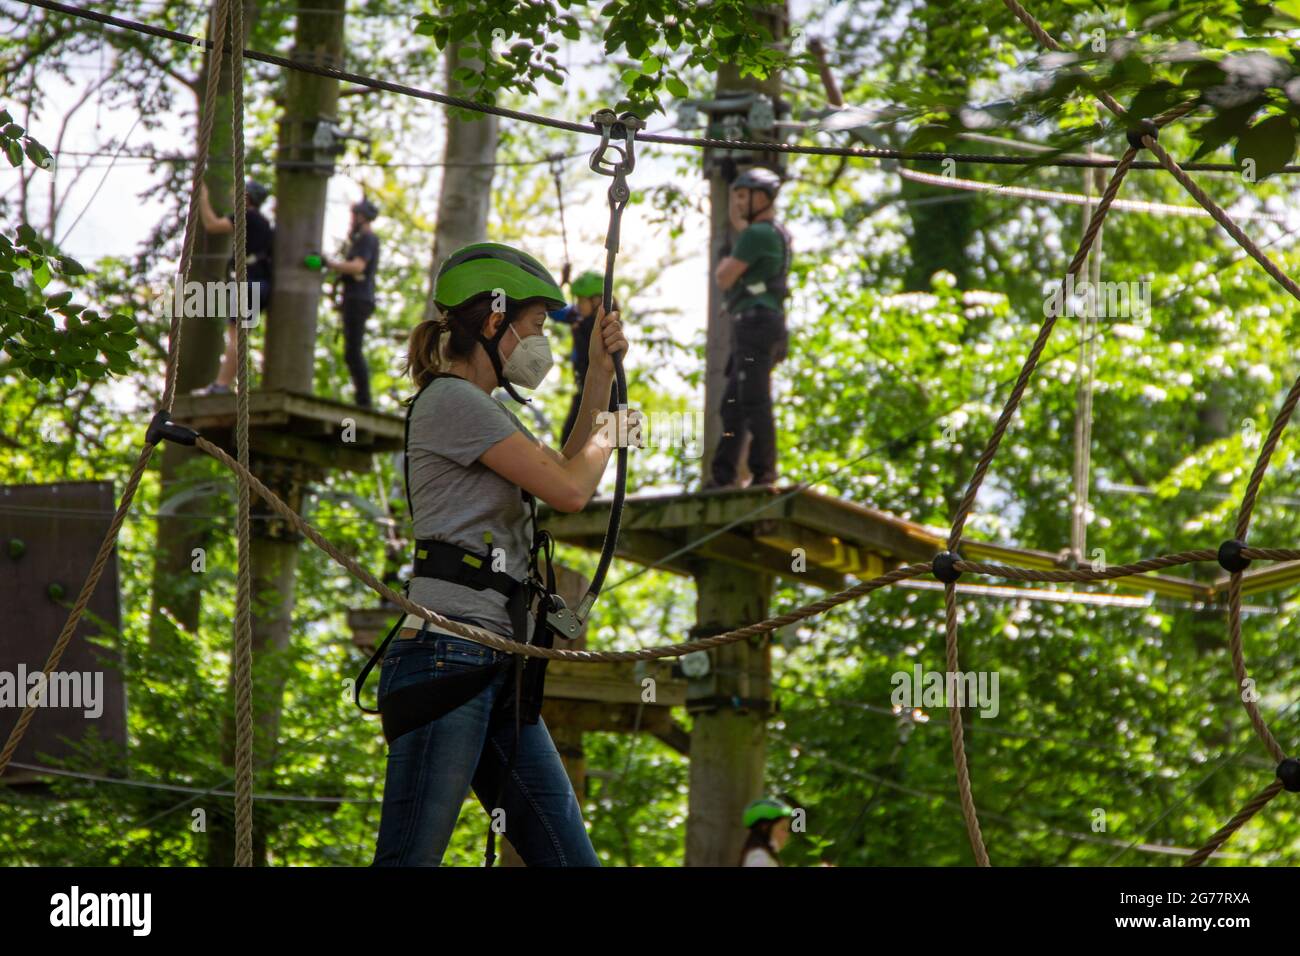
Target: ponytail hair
<point x="453" y="335"/>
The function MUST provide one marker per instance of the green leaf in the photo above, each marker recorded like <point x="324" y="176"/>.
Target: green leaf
<point x="14" y="152"/>
<point x="71" y="267"/>
<point x="651" y="65"/>
<point x="58" y="299"/>
<point x="41" y="274"/>
<point x="38" y="154"/>
<point x="676" y="87"/>
<point x="26" y="234"/>
<point x="1270" y="143"/>
<point x="117" y="342"/>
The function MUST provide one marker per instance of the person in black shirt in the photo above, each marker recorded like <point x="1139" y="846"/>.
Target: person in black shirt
<point x="358" y="271"/>
<point x="260" y="236"/>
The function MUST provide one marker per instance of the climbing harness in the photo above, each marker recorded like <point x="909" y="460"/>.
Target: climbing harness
<point x="762" y="179"/>
<point x="617" y="134"/>
<point x="410" y="708"/>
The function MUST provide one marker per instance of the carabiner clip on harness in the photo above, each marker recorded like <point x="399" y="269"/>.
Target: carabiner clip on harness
<point x="617" y="134"/>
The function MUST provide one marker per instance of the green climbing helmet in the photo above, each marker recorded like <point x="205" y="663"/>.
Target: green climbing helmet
<point x="589" y="283"/>
<point x="766" y="808"/>
<point x="489" y="266"/>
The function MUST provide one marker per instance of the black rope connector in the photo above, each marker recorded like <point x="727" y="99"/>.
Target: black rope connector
<point x="163" y="428"/>
<point x="1230" y="558"/>
<point x="1288" y="771"/>
<point x="1144" y="128"/>
<point x="943" y="566"/>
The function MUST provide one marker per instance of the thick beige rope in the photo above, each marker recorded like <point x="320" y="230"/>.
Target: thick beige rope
<point x="1266" y="452"/>
<point x="242" y="659"/>
<point x="218" y="26"/>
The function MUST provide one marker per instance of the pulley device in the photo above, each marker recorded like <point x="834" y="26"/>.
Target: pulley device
<point x="617" y="137"/>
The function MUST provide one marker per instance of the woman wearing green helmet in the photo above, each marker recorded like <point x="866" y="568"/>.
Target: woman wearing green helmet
<point x="768" y="822"/>
<point x="468" y="460"/>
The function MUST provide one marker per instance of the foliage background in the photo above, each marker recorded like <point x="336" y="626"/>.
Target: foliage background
<point x="896" y="375"/>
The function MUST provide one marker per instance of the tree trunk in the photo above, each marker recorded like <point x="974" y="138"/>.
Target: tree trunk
<point x="466" y="196"/>
<point x="177" y="589"/>
<point x="290" y="364"/>
<point x="728" y="744"/>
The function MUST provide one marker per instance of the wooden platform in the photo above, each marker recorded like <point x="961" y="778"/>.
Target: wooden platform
<point x="296" y="427"/>
<point x="841" y="540"/>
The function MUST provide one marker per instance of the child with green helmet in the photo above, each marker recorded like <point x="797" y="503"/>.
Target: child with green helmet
<point x="768" y="821"/>
<point x="587" y="290"/>
<point x="472" y="471"/>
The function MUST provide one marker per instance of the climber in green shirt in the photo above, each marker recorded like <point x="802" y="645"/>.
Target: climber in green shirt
<point x="752" y="276"/>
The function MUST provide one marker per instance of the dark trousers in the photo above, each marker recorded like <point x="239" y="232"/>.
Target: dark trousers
<point x="355" y="313"/>
<point x="759" y="343"/>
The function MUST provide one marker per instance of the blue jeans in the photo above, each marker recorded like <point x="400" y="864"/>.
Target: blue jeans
<point x="432" y="769"/>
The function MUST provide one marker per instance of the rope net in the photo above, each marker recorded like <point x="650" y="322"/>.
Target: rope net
<point x="1234" y="556"/>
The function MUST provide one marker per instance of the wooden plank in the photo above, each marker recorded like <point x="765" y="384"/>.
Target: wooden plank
<point x="613" y="682"/>
<point x="332" y="412"/>
<point x="294" y="448"/>
<point x="49" y="534"/>
<point x="824" y="525"/>
<point x="678" y="738"/>
<point x="823" y="551"/>
<point x="757" y="556"/>
<point x="589" y="716"/>
<point x="867" y="528"/>
<point x="1255" y="581"/>
<point x="296" y="412"/>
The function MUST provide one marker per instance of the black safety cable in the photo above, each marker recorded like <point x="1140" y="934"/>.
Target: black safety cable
<point x="557" y="172"/>
<point x="697" y="141"/>
<point x="617" y="135"/>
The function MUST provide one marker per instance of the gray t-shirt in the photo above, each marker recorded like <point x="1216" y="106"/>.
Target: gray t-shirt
<point x="458" y="499"/>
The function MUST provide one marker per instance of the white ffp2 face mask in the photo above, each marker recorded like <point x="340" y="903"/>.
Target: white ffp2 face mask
<point x="529" y="363"/>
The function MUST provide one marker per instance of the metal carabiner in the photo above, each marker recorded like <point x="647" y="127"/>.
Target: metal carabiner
<point x="624" y="128"/>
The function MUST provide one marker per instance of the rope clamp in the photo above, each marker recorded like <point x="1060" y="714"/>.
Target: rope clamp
<point x="1230" y="558"/>
<point x="944" y="568"/>
<point x="1145" y="127"/>
<point x="1288" y="771"/>
<point x="163" y="428"/>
